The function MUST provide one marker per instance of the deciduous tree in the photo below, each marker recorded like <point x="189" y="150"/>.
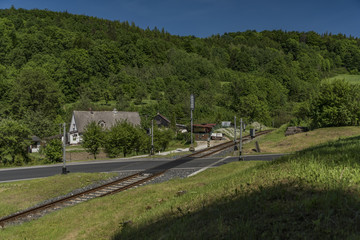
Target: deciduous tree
<point x="93" y="138"/>
<point x="53" y="150"/>
<point x="14" y="139"/>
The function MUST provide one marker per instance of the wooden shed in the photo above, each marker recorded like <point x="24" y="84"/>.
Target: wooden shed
<point x="202" y="132"/>
<point x="161" y="121"/>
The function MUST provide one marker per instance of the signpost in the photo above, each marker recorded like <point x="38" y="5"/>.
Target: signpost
<point x="240" y="141"/>
<point x="192" y="107"/>
<point x="64" y="171"/>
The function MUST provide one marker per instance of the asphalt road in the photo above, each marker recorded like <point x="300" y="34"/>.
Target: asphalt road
<point x="122" y="165"/>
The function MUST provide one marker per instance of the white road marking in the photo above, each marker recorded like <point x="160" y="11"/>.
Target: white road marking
<point x="209" y="166"/>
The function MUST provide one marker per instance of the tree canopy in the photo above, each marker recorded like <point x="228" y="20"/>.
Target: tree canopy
<point x="54" y="62"/>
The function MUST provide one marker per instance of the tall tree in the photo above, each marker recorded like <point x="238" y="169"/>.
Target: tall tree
<point x="53" y="150"/>
<point x="34" y="90"/>
<point x="120" y="138"/>
<point x="93" y="138"/>
<point x="14" y="139"/>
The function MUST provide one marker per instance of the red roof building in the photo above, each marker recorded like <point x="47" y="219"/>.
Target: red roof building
<point x="203" y="132"/>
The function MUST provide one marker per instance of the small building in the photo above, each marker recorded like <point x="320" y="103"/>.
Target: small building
<point x="161" y="121"/>
<point x="35" y="144"/>
<point x="225" y="124"/>
<point x="216" y="136"/>
<point x="106" y="119"/>
<point x="202" y="132"/>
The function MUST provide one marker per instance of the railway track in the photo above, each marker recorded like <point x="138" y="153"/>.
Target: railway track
<point x="114" y="186"/>
<point x="223" y="146"/>
<point x="100" y="191"/>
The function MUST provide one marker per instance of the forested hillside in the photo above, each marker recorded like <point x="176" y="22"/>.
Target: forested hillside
<point x="52" y="63"/>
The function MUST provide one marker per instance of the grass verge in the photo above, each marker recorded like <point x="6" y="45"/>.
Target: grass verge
<point x="16" y="196"/>
<point x="313" y="194"/>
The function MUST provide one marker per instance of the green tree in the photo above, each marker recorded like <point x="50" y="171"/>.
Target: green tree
<point x="173" y="121"/>
<point x="53" y="150"/>
<point x="162" y="138"/>
<point x="141" y="141"/>
<point x="14" y="139"/>
<point x="41" y="124"/>
<point x="93" y="138"/>
<point x="6" y="33"/>
<point x="336" y="105"/>
<point x="35" y="91"/>
<point x="121" y="137"/>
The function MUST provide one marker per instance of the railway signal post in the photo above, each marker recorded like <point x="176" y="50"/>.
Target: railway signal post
<point x="192" y="107"/>
<point x="235" y="146"/>
<point x="152" y="138"/>
<point x="240" y="142"/>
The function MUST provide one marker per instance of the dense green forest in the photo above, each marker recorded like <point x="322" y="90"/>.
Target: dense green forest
<point x="54" y="62"/>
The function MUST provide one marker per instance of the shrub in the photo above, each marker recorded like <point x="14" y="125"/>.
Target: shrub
<point x="53" y="150"/>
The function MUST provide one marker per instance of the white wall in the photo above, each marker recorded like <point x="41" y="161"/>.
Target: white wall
<point x="75" y="138"/>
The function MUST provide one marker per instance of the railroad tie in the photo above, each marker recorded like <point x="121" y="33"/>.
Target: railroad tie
<point x="102" y="191"/>
<point x="96" y="194"/>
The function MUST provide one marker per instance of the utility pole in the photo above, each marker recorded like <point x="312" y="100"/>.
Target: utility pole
<point x="192" y="107"/>
<point x="64" y="171"/>
<point x="152" y="137"/>
<point x="240" y="141"/>
<point x="235" y="147"/>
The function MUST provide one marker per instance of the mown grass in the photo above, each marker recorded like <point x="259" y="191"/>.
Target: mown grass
<point x="276" y="142"/>
<point x="16" y="196"/>
<point x="353" y="79"/>
<point x="313" y="194"/>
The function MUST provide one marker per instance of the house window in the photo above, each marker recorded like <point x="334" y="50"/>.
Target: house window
<point x="74" y="137"/>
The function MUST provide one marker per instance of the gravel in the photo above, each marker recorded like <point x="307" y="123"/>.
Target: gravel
<point x="172" y="173"/>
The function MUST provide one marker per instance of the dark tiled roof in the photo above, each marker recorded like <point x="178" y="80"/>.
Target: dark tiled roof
<point x="208" y="125"/>
<point x="163" y="117"/>
<point x="83" y="118"/>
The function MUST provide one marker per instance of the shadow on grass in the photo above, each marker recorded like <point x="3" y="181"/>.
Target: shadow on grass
<point x="285" y="210"/>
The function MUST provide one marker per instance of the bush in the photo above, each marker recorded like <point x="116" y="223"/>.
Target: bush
<point x="162" y="138"/>
<point x="121" y="138"/>
<point x="185" y="137"/>
<point x="336" y="105"/>
<point x="53" y="151"/>
<point x="93" y="138"/>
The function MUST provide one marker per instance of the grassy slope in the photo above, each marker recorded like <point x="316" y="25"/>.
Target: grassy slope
<point x="276" y="142"/>
<point x="312" y="194"/>
<point x="354" y="79"/>
<point x="15" y="196"/>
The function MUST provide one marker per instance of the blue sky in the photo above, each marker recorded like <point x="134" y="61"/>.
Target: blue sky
<point x="204" y="18"/>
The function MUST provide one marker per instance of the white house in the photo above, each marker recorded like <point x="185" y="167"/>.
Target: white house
<point x="106" y="119"/>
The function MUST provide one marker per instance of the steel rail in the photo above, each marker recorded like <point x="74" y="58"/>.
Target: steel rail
<point x="220" y="147"/>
